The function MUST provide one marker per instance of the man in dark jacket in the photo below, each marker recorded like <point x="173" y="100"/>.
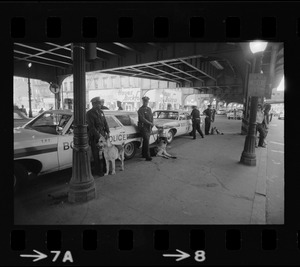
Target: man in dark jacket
<point x="145" y="125"/>
<point x="119" y="105"/>
<point x="210" y="116"/>
<point x="97" y="125"/>
<point x="195" y="116"/>
<point x="102" y="104"/>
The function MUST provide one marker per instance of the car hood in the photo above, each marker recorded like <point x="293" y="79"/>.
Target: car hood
<point x="166" y="122"/>
<point x="22" y="134"/>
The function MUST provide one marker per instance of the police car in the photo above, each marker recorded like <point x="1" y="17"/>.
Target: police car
<point x="174" y="122"/>
<point x="45" y="143"/>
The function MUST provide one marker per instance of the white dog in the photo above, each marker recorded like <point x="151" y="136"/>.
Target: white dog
<point x="111" y="153"/>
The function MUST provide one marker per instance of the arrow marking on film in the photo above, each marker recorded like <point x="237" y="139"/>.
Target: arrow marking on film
<point x="181" y="256"/>
<point x="38" y="256"/>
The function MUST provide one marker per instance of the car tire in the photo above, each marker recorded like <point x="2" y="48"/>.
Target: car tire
<point x="170" y="136"/>
<point x="20" y="177"/>
<point x="129" y="150"/>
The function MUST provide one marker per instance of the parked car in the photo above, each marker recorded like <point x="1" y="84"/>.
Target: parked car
<point x="44" y="144"/>
<point x="281" y="115"/>
<point x="174" y="122"/>
<point x="20" y="118"/>
<point x="221" y="111"/>
<point x="239" y="114"/>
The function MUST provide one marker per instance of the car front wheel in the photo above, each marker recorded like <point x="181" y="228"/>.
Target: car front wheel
<point x="20" y="177"/>
<point x="170" y="136"/>
<point x="129" y="150"/>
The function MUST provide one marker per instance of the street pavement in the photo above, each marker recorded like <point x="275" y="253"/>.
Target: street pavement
<point x="206" y="184"/>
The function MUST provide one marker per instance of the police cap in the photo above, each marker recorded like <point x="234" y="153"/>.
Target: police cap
<point x="95" y="99"/>
<point x="209" y="105"/>
<point x="145" y="98"/>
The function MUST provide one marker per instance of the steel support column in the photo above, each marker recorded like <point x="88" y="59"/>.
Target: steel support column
<point x="248" y="156"/>
<point x="82" y="186"/>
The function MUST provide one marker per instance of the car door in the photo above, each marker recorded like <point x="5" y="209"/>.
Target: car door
<point x="65" y="145"/>
<point x="118" y="135"/>
<point x="184" y="124"/>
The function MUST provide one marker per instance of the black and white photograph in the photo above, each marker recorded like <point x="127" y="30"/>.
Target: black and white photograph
<point x="154" y="133"/>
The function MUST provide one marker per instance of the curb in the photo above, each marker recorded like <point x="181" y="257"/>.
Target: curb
<point x="258" y="215"/>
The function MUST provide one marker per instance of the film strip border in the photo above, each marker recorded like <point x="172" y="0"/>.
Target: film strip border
<point x="195" y="27"/>
<point x="155" y="21"/>
<point x="145" y="245"/>
<point x="157" y="245"/>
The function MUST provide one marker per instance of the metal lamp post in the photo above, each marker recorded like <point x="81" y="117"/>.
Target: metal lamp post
<point x="29" y="91"/>
<point x="248" y="156"/>
<point x="82" y="186"/>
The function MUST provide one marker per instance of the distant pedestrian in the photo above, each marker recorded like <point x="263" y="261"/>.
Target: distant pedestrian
<point x="169" y="106"/>
<point x="234" y="113"/>
<point x="41" y="111"/>
<point x="196" y="120"/>
<point x="145" y="125"/>
<point x="259" y="126"/>
<point x="97" y="125"/>
<point x="23" y="110"/>
<point x="119" y="105"/>
<point x="267" y="119"/>
<point x="209" y="113"/>
<point x="102" y="104"/>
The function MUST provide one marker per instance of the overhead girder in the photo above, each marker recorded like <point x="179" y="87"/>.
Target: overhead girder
<point x="188" y="64"/>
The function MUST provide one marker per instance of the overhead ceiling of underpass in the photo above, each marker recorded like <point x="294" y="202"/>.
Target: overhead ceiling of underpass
<point x="213" y="67"/>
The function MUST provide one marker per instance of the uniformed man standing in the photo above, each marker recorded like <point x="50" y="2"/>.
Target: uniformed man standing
<point x="102" y="104"/>
<point x="195" y="116"/>
<point x="97" y="125"/>
<point x="145" y="125"/>
<point x="210" y="116"/>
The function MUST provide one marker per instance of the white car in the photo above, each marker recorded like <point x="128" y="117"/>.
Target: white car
<point x="221" y="111"/>
<point x="45" y="143"/>
<point x="281" y="115"/>
<point x="174" y="122"/>
<point x="239" y="114"/>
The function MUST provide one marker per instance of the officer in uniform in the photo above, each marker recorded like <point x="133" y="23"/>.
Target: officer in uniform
<point x="195" y="115"/>
<point x="97" y="125"/>
<point x="209" y="113"/>
<point x="145" y="125"/>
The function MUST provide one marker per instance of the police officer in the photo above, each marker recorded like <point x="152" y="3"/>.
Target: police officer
<point x="195" y="116"/>
<point x="97" y="125"/>
<point x="145" y="125"/>
<point x="102" y="104"/>
<point x="209" y="113"/>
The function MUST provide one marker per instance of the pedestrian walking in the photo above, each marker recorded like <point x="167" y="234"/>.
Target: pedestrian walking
<point x="119" y="105"/>
<point x="234" y="113"/>
<point x="208" y="119"/>
<point x="267" y="119"/>
<point x="196" y="120"/>
<point x="102" y="104"/>
<point x="24" y="110"/>
<point x="41" y="111"/>
<point x="259" y="126"/>
<point x="145" y="125"/>
<point x="97" y="125"/>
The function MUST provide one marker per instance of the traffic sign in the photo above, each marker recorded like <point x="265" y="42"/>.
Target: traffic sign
<point x="54" y="88"/>
<point x="257" y="84"/>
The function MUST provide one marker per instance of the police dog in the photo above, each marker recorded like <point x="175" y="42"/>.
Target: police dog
<point x="214" y="130"/>
<point x="161" y="149"/>
<point x="111" y="153"/>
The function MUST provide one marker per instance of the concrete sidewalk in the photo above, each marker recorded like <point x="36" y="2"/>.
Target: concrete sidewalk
<point x="206" y="184"/>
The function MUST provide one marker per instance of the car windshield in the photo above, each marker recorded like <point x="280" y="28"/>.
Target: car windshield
<point x="48" y="122"/>
<point x="170" y="115"/>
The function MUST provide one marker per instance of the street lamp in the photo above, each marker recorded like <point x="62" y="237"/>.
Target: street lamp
<point x="29" y="91"/>
<point x="248" y="155"/>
